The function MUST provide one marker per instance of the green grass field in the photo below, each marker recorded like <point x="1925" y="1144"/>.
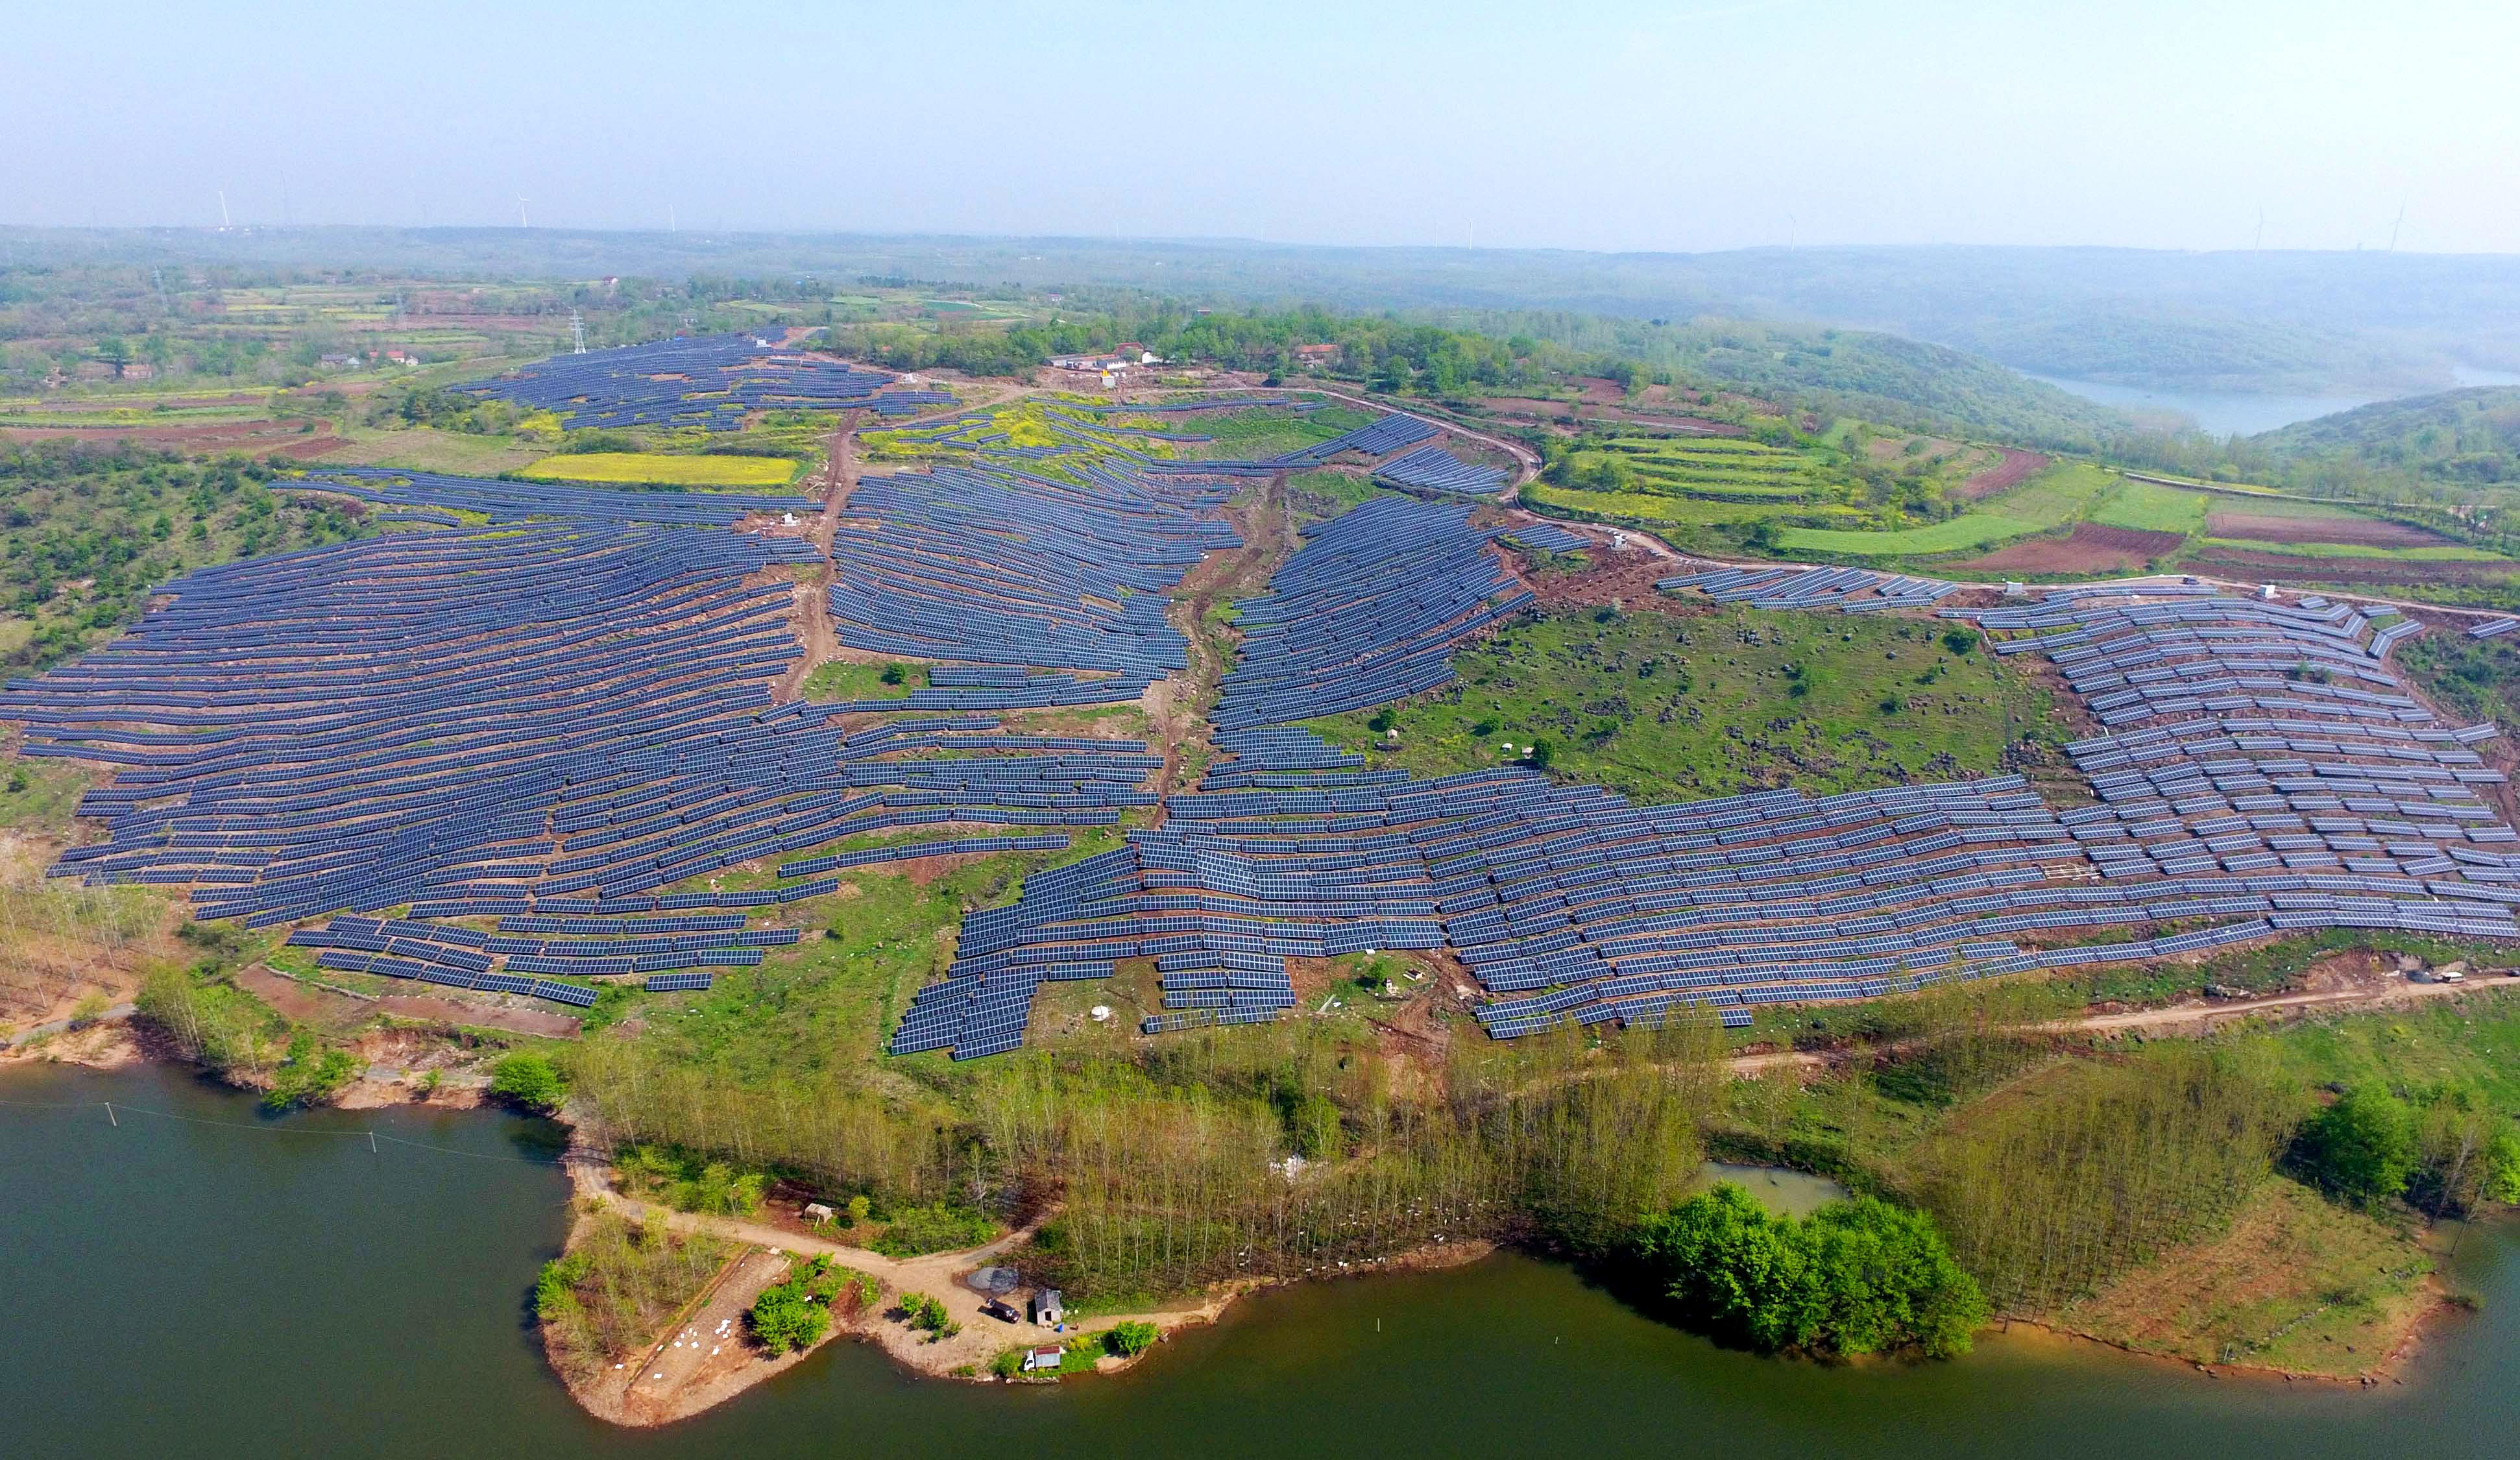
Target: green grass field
<point x="843" y="680"/>
<point x="2439" y="553"/>
<point x="1664" y="708"/>
<point x="660" y="470"/>
<point x="2050" y="499"/>
<point x="2152" y="507"/>
<point x="1314" y="496"/>
<point x="1253" y="433"/>
<point x="420" y="448"/>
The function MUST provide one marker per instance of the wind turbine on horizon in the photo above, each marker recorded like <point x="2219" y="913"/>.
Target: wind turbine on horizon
<point x="522" y="221"/>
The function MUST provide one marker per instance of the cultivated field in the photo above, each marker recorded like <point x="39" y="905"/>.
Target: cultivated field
<point x="652" y="468"/>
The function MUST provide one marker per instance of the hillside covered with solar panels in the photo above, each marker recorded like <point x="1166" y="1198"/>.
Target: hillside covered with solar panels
<point x="541" y="739"/>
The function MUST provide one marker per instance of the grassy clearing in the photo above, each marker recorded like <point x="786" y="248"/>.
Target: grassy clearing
<point x="2295" y="1283"/>
<point x="2050" y="499"/>
<point x="2441" y="553"/>
<point x="842" y="679"/>
<point x="2477" y="678"/>
<point x="1974" y="529"/>
<point x="40" y="795"/>
<point x="422" y="448"/>
<point x="657" y="469"/>
<point x="2152" y="507"/>
<point x="1316" y="497"/>
<point x="1252" y="433"/>
<point x="1664" y="708"/>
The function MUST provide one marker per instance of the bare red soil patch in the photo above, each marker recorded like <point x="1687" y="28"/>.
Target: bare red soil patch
<point x="2089" y="548"/>
<point x="1625" y="578"/>
<point x="238" y="438"/>
<point x="2353" y="531"/>
<point x="2015" y="469"/>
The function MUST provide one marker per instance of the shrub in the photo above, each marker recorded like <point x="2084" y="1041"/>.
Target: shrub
<point x="795" y="1313"/>
<point x="1855" y="1277"/>
<point x="1131" y="1338"/>
<point x="311" y="1073"/>
<point x="2362" y="1147"/>
<point x="2501" y="1182"/>
<point x="936" y="1229"/>
<point x="529" y="1081"/>
<point x="926" y="1315"/>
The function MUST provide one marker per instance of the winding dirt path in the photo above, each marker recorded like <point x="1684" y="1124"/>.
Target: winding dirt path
<point x="2199" y="1016"/>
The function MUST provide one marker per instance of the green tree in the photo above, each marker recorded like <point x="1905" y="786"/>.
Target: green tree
<point x="1131" y="1338"/>
<point x="2501" y="1178"/>
<point x="2362" y="1147"/>
<point x="530" y="1080"/>
<point x="783" y="1317"/>
<point x="1855" y="1277"/>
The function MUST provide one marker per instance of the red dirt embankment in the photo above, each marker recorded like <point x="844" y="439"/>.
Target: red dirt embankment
<point x="221" y="439"/>
<point x="2089" y="549"/>
<point x="2352" y="531"/>
<point x="2014" y="467"/>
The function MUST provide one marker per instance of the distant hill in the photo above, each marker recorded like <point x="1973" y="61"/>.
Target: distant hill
<point x="2455" y="436"/>
<point x="2381" y="323"/>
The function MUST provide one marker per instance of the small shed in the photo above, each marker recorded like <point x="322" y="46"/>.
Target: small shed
<point x="1037" y="1360"/>
<point x="815" y="1212"/>
<point x="1048" y="1309"/>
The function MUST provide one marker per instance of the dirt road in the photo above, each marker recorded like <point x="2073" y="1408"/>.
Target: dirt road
<point x="2194" y="1017"/>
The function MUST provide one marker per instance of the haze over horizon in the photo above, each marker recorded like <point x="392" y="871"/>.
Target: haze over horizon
<point x="1591" y="126"/>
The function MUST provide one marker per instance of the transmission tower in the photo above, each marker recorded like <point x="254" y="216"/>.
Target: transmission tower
<point x="576" y="332"/>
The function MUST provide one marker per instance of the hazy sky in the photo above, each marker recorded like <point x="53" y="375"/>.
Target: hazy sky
<point x="1550" y="122"/>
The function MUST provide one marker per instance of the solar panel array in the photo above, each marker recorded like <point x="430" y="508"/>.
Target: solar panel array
<point x="2494" y="628"/>
<point x="997" y="566"/>
<point x="2263" y="774"/>
<point x="1547" y="537"/>
<point x="1849" y="590"/>
<point x="711" y="382"/>
<point x="1383" y="434"/>
<point x="1369" y="611"/>
<point x="549" y="723"/>
<point x="425" y="496"/>
<point x="1434" y="469"/>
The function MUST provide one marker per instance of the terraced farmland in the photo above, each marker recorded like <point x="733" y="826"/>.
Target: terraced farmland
<point x="1722" y="468"/>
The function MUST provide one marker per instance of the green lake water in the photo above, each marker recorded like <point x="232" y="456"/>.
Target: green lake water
<point x="170" y="1287"/>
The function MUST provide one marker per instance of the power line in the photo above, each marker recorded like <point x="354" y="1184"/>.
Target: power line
<point x="372" y="1137"/>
